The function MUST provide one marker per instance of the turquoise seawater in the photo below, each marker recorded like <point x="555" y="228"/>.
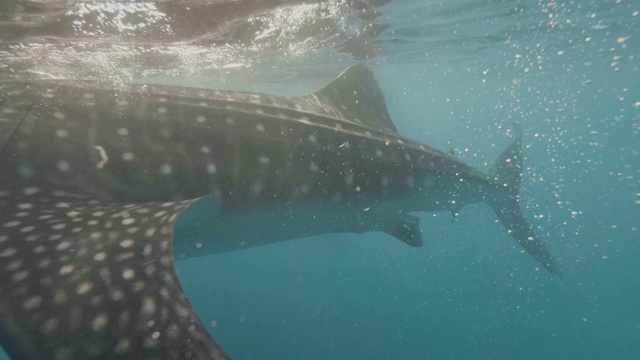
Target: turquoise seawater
<point x="457" y="74"/>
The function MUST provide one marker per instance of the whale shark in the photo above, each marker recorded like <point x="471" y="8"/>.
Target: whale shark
<point x="103" y="188"/>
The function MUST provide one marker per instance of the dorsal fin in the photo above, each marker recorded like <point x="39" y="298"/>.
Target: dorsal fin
<point x="356" y="94"/>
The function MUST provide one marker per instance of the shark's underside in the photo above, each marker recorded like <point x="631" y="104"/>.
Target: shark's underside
<point x="92" y="181"/>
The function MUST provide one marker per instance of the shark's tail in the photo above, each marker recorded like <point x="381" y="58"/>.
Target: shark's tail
<point x="505" y="201"/>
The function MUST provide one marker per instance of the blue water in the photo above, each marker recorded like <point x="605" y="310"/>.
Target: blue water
<point x="457" y="74"/>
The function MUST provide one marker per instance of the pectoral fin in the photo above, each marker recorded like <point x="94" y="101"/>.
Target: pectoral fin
<point x="88" y="279"/>
<point x="407" y="229"/>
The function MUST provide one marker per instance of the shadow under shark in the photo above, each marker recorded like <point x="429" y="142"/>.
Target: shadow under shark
<point x="92" y="181"/>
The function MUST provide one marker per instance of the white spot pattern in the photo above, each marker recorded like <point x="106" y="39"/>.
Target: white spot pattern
<point x="127" y="156"/>
<point x="263" y="160"/>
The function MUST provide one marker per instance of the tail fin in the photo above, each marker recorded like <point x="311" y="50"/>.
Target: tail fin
<point x="505" y="202"/>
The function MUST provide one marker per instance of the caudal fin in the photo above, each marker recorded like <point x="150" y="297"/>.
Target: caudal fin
<point x="505" y="202"/>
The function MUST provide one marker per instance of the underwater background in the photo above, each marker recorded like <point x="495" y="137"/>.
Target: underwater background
<point x="456" y="74"/>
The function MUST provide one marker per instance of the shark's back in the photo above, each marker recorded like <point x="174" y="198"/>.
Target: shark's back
<point x="160" y="143"/>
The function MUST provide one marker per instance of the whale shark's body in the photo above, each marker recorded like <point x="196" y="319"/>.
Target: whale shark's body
<point x="92" y="181"/>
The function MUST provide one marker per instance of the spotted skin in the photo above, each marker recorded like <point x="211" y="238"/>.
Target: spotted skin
<point x="76" y="271"/>
<point x="93" y="181"/>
